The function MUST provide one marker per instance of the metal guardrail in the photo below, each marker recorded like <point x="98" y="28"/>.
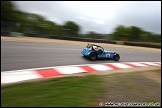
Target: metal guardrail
<point x="83" y="39"/>
<point x="142" y="45"/>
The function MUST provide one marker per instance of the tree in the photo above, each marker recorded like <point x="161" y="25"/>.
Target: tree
<point x="120" y="32"/>
<point x="35" y="19"/>
<point x="8" y="11"/>
<point x="70" y="28"/>
<point x="91" y="34"/>
<point x="50" y="27"/>
<point x="109" y="36"/>
<point x="134" y="33"/>
<point x="156" y="38"/>
<point x="144" y="36"/>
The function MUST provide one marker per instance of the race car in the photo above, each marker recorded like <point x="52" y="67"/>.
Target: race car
<point x="94" y="52"/>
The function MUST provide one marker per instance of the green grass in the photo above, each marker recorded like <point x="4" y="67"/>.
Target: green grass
<point x="158" y="71"/>
<point x="67" y="91"/>
<point x="82" y="91"/>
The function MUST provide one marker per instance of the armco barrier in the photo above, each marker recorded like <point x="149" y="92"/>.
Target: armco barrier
<point x="16" y="34"/>
<point x="71" y="38"/>
<point x="92" y="40"/>
<point x="143" y="45"/>
<point x="84" y="39"/>
<point x="5" y="33"/>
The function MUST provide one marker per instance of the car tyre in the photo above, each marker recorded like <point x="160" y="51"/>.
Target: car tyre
<point x="93" y="56"/>
<point x="116" y="57"/>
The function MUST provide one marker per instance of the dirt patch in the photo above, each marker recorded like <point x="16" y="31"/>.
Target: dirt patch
<point x="57" y="41"/>
<point x="153" y="76"/>
<point x="131" y="87"/>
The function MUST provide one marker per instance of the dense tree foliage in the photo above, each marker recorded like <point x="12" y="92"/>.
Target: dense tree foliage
<point x="70" y="29"/>
<point x="8" y="11"/>
<point x="13" y="19"/>
<point x="133" y="33"/>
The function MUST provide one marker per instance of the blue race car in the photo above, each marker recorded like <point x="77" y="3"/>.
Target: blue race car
<point x="93" y="52"/>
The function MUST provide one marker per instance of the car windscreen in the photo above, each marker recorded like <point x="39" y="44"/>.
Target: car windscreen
<point x="89" y="45"/>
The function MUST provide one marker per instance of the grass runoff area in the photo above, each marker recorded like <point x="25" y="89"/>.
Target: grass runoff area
<point x="89" y="90"/>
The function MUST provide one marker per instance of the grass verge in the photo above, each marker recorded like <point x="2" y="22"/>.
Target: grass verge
<point x="83" y="90"/>
<point x="66" y="91"/>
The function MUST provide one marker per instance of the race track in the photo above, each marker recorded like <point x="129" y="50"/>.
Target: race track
<point x="26" y="55"/>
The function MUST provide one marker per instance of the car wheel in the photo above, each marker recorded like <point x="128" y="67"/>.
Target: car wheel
<point x="116" y="57"/>
<point x="93" y="56"/>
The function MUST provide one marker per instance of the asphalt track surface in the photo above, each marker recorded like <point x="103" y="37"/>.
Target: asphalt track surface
<point x="27" y="55"/>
